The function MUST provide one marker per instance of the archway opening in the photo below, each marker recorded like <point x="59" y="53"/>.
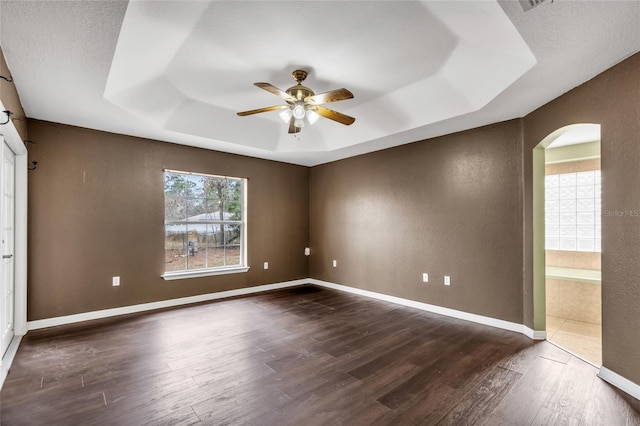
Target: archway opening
<point x="567" y="240"/>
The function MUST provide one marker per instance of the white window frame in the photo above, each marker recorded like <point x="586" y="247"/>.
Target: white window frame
<point x="220" y="270"/>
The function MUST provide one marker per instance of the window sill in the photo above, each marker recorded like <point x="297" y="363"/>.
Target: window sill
<point x="169" y="276"/>
<point x="574" y="274"/>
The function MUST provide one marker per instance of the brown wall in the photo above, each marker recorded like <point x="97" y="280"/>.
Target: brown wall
<point x="457" y="205"/>
<point x="96" y="210"/>
<point x="612" y="100"/>
<point x="446" y="206"/>
<point x="11" y="101"/>
<point x="454" y="205"/>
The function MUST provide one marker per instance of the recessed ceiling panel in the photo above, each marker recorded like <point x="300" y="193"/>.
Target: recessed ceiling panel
<point x="188" y="67"/>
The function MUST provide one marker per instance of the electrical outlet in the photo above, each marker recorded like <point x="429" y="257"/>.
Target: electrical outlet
<point x="266" y="265"/>
<point x="447" y="280"/>
<point x="425" y="277"/>
<point x="115" y="281"/>
<point x="335" y="263"/>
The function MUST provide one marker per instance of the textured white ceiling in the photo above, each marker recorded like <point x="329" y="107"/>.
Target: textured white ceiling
<point x="178" y="71"/>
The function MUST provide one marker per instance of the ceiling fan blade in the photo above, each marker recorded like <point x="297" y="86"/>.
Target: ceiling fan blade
<point x="259" y="110"/>
<point x="331" y="96"/>
<point x="335" y="115"/>
<point x="273" y="89"/>
<point x="292" y="126"/>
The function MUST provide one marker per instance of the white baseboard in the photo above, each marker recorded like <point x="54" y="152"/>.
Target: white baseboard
<point x="620" y="382"/>
<point x="479" y="319"/>
<point x="106" y="313"/>
<point x="605" y="374"/>
<point x="7" y="359"/>
<point x="534" y="334"/>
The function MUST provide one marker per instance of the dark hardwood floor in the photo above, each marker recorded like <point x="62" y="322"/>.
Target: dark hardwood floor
<point x="300" y="356"/>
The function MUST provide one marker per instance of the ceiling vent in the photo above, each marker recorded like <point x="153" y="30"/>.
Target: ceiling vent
<point x="530" y="4"/>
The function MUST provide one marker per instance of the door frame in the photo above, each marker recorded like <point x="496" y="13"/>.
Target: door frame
<point x="539" y="262"/>
<point x="14" y="141"/>
<point x="7" y="270"/>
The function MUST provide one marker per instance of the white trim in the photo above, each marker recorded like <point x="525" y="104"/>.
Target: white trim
<point x="14" y="141"/>
<point x="534" y="334"/>
<point x="20" y="248"/>
<point x="7" y="359"/>
<point x="196" y="273"/>
<point x="11" y="135"/>
<point x="620" y="382"/>
<point x="479" y="319"/>
<point x="87" y="316"/>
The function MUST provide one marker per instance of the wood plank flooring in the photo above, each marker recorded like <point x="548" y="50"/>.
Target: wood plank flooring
<point x="300" y="356"/>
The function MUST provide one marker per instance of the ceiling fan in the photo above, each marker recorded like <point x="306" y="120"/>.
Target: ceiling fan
<point x="303" y="106"/>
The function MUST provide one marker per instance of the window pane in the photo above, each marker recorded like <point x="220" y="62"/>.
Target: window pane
<point x="215" y="248"/>
<point x="552" y="243"/>
<point x="568" y="244"/>
<point x="552" y="231"/>
<point x="585" y="178"/>
<point x="551" y="218"/>
<point x="178" y="185"/>
<point x="568" y="193"/>
<point x="551" y="181"/>
<point x="552" y="206"/>
<point x="552" y="193"/>
<point x="196" y="209"/>
<point x="175" y="209"/>
<point x="233" y="199"/>
<point x="586" y="244"/>
<point x="233" y="237"/>
<point x="568" y="180"/>
<point x="195" y="240"/>
<point x="174" y="247"/>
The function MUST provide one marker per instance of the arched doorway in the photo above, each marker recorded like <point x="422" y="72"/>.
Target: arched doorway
<point x="566" y="219"/>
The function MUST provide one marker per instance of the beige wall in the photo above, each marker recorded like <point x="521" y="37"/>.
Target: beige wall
<point x="612" y="100"/>
<point x="446" y="206"/>
<point x="572" y="167"/>
<point x="11" y="101"/>
<point x="96" y="210"/>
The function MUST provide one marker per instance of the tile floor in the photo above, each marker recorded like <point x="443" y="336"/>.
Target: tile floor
<point x="582" y="338"/>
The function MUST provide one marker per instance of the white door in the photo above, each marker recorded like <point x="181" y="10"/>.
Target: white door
<point x="7" y="218"/>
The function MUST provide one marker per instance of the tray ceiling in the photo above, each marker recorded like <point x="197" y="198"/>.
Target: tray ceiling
<point x="178" y="71"/>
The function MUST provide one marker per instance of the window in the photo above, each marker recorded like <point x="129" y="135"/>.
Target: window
<point x="572" y="211"/>
<point x="204" y="224"/>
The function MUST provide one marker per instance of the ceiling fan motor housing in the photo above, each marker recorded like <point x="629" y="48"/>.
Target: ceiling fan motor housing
<point x="299" y="92"/>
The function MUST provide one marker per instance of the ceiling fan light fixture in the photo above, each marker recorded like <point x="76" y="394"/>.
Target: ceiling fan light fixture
<point x="299" y="111"/>
<point x="285" y="115"/>
<point x="299" y="122"/>
<point x="312" y="116"/>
